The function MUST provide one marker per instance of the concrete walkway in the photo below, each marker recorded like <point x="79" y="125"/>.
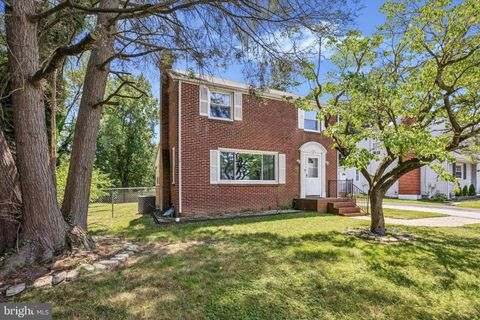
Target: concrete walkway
<point x="444" y="209"/>
<point x="429" y="222"/>
<point x="457" y="216"/>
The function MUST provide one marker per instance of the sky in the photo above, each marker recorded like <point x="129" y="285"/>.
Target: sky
<point x="369" y="18"/>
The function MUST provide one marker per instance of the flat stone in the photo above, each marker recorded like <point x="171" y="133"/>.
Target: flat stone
<point x="99" y="266"/>
<point x="14" y="290"/>
<point x="72" y="274"/>
<point x="42" y="282"/>
<point x="133" y="248"/>
<point x="59" y="277"/>
<point x="109" y="263"/>
<point x="87" y="266"/>
<point x="121" y="257"/>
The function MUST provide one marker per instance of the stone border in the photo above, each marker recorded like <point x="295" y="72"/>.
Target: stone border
<point x="65" y="276"/>
<point x="230" y="215"/>
<point x="393" y="235"/>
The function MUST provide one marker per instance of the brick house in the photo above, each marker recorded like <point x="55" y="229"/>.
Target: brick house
<point x="420" y="183"/>
<point x="224" y="149"/>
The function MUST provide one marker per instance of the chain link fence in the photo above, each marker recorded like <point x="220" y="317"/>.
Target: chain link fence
<point x="113" y="196"/>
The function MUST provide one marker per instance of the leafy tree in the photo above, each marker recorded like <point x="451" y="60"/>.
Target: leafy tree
<point x="208" y="32"/>
<point x="126" y="147"/>
<point x="412" y="86"/>
<point x="100" y="181"/>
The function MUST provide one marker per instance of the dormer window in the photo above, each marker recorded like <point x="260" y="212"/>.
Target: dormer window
<point x="221" y="105"/>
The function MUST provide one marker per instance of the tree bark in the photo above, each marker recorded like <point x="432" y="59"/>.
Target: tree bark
<point x="10" y="198"/>
<point x="53" y="125"/>
<point x="43" y="224"/>
<point x="377" y="224"/>
<point x="77" y="192"/>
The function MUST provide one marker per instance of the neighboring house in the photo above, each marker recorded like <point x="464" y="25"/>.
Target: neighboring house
<point x="225" y="149"/>
<point x="420" y="183"/>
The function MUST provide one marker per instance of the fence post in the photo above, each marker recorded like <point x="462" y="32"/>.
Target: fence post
<point x="111" y="196"/>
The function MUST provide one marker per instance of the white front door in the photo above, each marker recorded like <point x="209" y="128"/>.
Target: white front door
<point x="313" y="174"/>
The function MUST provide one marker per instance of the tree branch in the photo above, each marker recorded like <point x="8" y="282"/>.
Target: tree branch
<point x="60" y="53"/>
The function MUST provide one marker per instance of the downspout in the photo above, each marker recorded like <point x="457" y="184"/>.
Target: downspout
<point x="179" y="146"/>
<point x="160" y="145"/>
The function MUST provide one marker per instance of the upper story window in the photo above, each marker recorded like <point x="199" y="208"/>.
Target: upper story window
<point x="376" y="148"/>
<point x="221" y="105"/>
<point x="240" y="166"/>
<point x="311" y="123"/>
<point x="459" y="170"/>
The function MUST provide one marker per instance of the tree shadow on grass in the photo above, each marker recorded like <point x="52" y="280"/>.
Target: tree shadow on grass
<point x="265" y="275"/>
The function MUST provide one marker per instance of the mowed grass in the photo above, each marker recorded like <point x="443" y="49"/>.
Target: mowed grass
<point x="409" y="214"/>
<point x="469" y="204"/>
<point x="296" y="266"/>
<point x="417" y="202"/>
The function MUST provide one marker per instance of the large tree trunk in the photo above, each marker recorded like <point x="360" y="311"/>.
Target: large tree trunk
<point x="43" y="224"/>
<point x="53" y="125"/>
<point x="377" y="224"/>
<point x="77" y="192"/>
<point x="10" y="198"/>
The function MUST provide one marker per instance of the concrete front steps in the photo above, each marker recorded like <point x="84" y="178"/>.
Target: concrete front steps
<point x="344" y="207"/>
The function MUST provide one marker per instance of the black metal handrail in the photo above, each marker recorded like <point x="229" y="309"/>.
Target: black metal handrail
<point x="347" y="189"/>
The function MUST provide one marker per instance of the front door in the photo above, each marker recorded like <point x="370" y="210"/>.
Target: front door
<point x="313" y="172"/>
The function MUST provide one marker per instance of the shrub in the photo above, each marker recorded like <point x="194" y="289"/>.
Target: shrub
<point x="440" y="197"/>
<point x="458" y="191"/>
<point x="465" y="191"/>
<point x="472" y="191"/>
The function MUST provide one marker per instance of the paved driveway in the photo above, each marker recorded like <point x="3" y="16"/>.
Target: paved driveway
<point x="457" y="216"/>
<point x="444" y="209"/>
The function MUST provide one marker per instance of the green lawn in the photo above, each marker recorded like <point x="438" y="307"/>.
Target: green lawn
<point x="296" y="266"/>
<point x="419" y="202"/>
<point x="469" y="204"/>
<point x="407" y="214"/>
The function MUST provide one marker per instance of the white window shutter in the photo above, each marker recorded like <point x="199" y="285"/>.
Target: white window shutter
<point x="301" y="118"/>
<point x="237" y="103"/>
<point x="204" y="97"/>
<point x="213" y="166"/>
<point x="281" y="168"/>
<point x="322" y="125"/>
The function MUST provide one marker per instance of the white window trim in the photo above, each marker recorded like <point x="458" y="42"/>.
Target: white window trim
<point x="319" y="122"/>
<point x="220" y="181"/>
<point x="232" y="106"/>
<point x="461" y="170"/>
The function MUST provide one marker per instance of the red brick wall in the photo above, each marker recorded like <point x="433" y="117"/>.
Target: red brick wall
<point x="409" y="183"/>
<point x="169" y="139"/>
<point x="267" y="125"/>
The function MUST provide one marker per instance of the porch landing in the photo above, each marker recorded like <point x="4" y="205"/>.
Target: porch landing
<point x="340" y="206"/>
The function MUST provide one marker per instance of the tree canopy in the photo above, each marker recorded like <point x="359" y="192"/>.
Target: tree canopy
<point x="412" y="87"/>
<point x="126" y="147"/>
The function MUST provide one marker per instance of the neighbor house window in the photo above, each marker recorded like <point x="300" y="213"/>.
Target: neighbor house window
<point x="376" y="148"/>
<point x="220" y="105"/>
<point x="240" y="166"/>
<point x="311" y="123"/>
<point x="459" y="170"/>
<point x="357" y="175"/>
